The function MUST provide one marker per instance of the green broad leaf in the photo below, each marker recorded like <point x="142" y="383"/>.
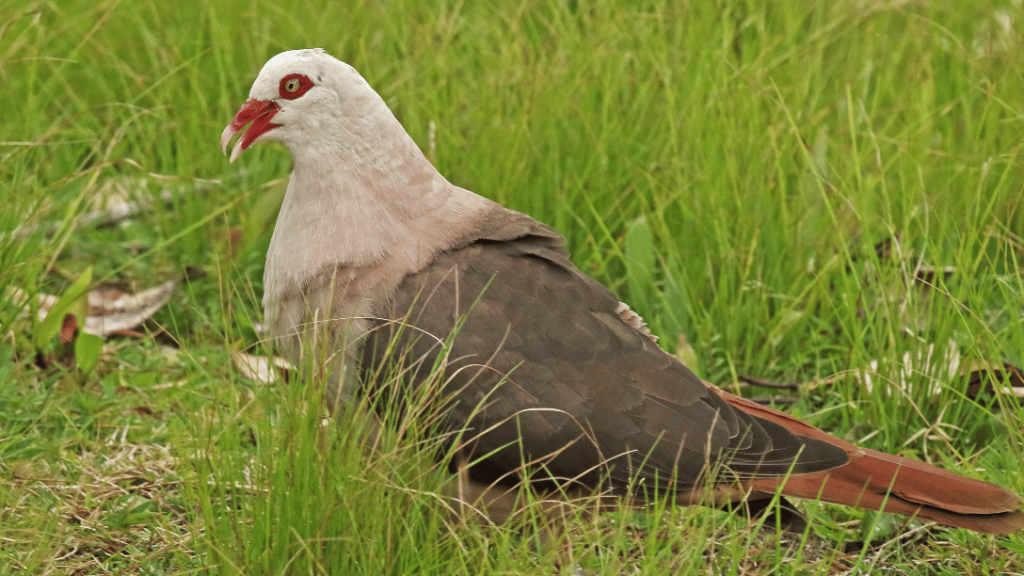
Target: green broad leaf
<point x="143" y="379"/>
<point x="50" y="326"/>
<point x="87" y="351"/>
<point x="7" y="362"/>
<point x="142" y="514"/>
<point x="640" y="263"/>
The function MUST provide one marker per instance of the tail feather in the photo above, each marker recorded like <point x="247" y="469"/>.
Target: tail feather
<point x="879" y="481"/>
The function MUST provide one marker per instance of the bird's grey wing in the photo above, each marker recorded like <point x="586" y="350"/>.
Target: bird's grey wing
<point x="540" y="368"/>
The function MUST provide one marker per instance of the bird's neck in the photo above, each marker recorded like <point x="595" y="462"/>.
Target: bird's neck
<point x="381" y="205"/>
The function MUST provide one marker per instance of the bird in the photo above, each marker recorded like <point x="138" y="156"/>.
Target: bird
<point x="546" y="377"/>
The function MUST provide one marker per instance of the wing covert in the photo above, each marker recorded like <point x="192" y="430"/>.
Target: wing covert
<point x="542" y="355"/>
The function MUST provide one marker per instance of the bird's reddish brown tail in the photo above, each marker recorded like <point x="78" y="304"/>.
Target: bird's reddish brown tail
<point x="880" y="481"/>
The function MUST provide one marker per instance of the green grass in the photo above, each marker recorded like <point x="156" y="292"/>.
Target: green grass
<point x="765" y="179"/>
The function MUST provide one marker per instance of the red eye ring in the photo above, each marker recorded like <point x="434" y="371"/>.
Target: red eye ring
<point x="294" y="85"/>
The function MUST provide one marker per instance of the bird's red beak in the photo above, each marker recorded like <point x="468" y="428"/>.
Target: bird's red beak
<point x="259" y="112"/>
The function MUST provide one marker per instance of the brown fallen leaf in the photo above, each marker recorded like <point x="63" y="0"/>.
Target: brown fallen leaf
<point x="983" y="377"/>
<point x="112" y="311"/>
<point x="258" y="368"/>
<point x="142" y="411"/>
<point x="69" y="330"/>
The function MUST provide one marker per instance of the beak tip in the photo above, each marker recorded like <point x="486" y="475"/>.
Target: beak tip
<point x="236" y="151"/>
<point x="257" y="115"/>
<point x="225" y="138"/>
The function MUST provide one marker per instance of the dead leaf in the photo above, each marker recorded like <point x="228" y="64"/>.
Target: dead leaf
<point x="69" y="329"/>
<point x="65" y="353"/>
<point x="142" y="411"/>
<point x="259" y="368"/>
<point x="983" y="377"/>
<point x="113" y="311"/>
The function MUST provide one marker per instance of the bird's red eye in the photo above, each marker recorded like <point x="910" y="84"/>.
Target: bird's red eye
<point x="294" y="85"/>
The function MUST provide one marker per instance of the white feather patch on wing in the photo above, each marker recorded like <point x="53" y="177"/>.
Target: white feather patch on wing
<point x="634" y="320"/>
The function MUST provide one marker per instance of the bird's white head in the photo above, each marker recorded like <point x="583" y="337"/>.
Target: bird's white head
<point x="307" y="99"/>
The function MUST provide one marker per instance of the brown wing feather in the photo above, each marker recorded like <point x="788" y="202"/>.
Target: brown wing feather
<point x="588" y="395"/>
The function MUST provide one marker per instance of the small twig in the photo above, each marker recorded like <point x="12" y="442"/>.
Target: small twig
<point x="761" y="382"/>
<point x="769" y="400"/>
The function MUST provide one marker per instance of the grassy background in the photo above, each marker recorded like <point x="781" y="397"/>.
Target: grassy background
<point x="768" y="179"/>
